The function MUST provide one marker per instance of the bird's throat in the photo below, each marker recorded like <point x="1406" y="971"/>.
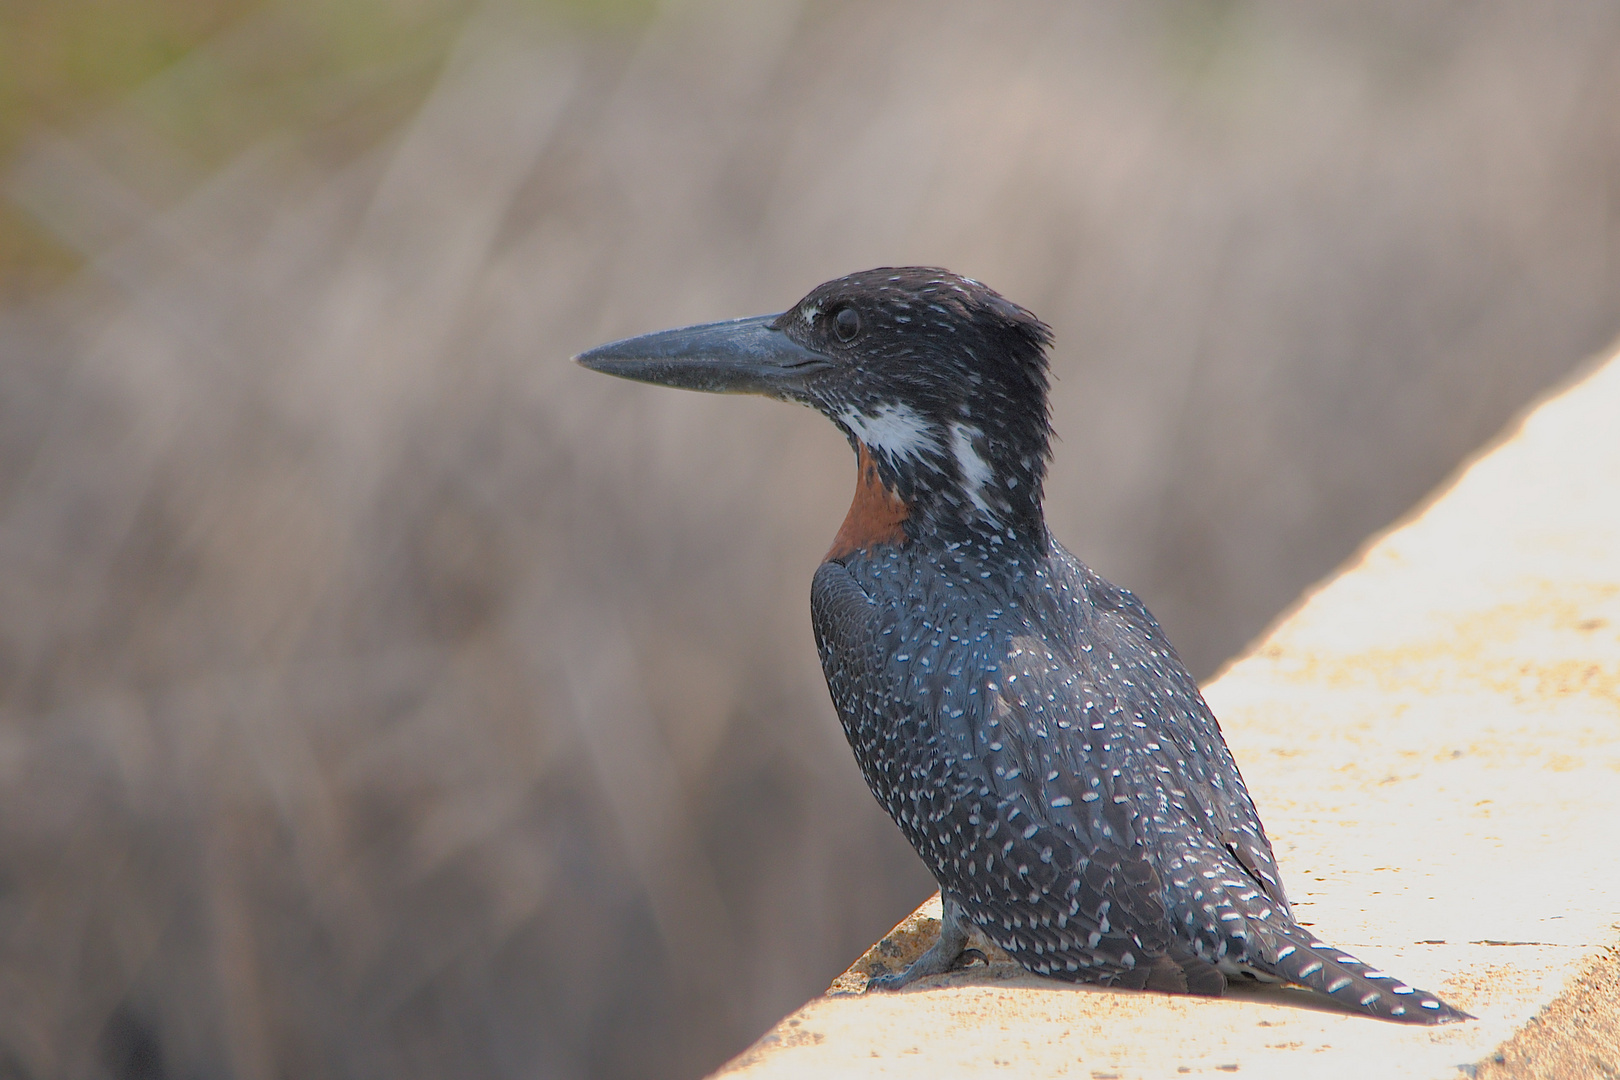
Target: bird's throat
<point x="876" y="515"/>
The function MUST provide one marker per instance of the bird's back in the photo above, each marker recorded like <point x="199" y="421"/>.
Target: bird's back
<point x="1040" y="744"/>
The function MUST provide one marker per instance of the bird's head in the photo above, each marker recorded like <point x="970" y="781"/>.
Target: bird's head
<point x="938" y="381"/>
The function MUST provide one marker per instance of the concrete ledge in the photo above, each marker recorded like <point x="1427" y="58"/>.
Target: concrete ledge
<point x="1433" y="739"/>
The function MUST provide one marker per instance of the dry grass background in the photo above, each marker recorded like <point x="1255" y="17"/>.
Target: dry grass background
<point x="381" y="695"/>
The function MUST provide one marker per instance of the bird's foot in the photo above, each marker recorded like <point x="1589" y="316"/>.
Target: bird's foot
<point x="925" y="965"/>
<point x="943" y="956"/>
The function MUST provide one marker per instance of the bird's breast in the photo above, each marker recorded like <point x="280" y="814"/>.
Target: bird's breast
<point x="876" y="515"/>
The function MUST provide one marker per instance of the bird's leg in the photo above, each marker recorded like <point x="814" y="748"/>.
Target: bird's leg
<point x="953" y="938"/>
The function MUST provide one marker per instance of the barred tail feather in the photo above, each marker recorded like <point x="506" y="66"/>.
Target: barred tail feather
<point x="1314" y="964"/>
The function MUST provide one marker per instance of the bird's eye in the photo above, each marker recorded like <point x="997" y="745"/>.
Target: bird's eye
<point x="847" y="322"/>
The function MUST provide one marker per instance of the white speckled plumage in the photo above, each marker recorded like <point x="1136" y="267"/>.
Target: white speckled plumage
<point x="1024" y="722"/>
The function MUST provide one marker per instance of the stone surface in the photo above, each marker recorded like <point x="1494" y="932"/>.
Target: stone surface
<point x="1433" y="739"/>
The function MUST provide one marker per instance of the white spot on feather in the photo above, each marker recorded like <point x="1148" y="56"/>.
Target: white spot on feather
<point x="976" y="472"/>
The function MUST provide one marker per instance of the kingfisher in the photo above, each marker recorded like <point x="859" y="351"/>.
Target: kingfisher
<point x="1025" y="723"/>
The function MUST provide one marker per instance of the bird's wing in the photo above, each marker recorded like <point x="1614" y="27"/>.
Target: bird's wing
<point x="1127" y="670"/>
<point x="1062" y="882"/>
<point x="1117" y="745"/>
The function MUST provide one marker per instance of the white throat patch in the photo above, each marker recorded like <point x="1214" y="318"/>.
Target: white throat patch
<point x="896" y="430"/>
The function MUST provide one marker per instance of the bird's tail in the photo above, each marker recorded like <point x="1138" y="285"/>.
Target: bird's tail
<point x="1302" y="958"/>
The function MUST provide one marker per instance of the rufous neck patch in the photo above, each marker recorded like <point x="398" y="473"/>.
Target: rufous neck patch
<point x="876" y="515"/>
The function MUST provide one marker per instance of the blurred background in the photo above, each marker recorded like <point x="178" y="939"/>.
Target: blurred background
<point x="383" y="696"/>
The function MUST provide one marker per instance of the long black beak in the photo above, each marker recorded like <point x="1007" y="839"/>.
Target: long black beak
<point x="741" y="356"/>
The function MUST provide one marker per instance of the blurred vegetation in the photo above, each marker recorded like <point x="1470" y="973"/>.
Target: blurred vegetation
<point x="61" y="62"/>
<point x="212" y="77"/>
<point x="383" y="695"/>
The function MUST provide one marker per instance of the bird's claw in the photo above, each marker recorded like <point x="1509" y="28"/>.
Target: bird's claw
<point x="968" y="958"/>
<point x="892" y="981"/>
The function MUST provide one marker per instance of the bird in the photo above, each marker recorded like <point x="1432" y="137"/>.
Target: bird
<point x="1025" y="723"/>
